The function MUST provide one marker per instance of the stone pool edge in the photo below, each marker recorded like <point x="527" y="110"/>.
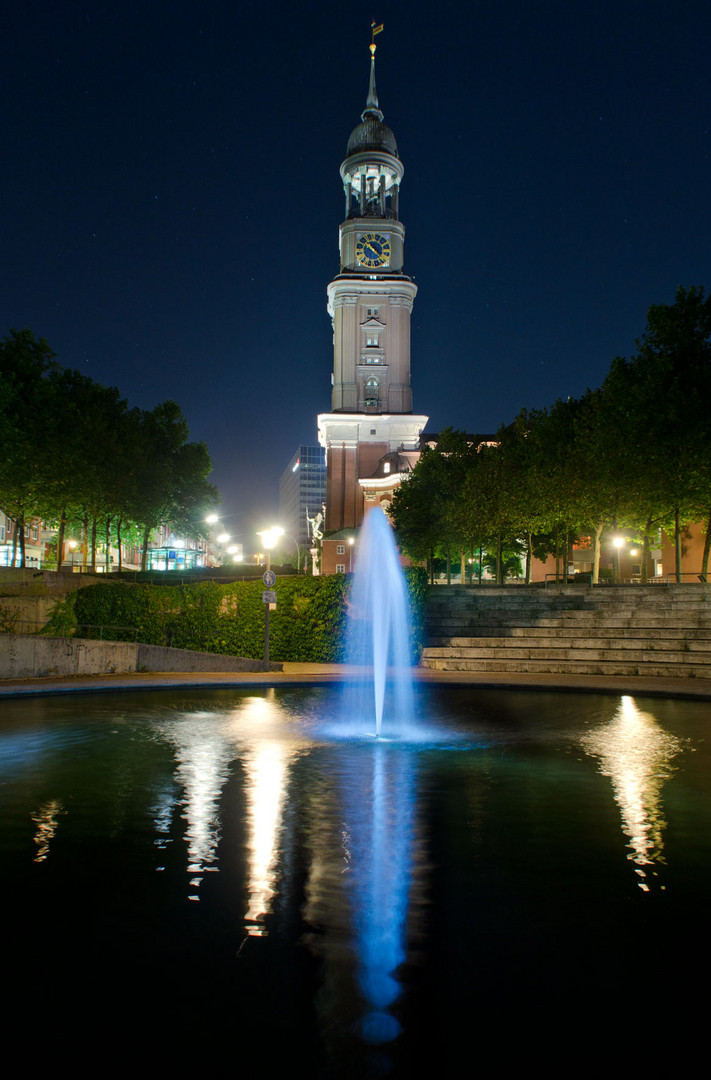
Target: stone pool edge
<point x="324" y="674"/>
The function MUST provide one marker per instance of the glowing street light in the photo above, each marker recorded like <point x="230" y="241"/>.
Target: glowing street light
<point x="618" y="542"/>
<point x="270" y="539"/>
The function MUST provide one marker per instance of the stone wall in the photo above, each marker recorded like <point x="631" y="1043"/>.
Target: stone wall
<point x="28" y="656"/>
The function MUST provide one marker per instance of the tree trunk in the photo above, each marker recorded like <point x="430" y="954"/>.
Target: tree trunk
<point x="85" y="543"/>
<point x="499" y="567"/>
<point x="60" y="537"/>
<point x="529" y="556"/>
<point x="449" y="565"/>
<point x="21" y="527"/>
<point x="557" y="556"/>
<point x="480" y="557"/>
<point x="644" y="576"/>
<point x="677" y="544"/>
<point x="705" y="556"/>
<point x="118" y="544"/>
<point x="108" y="543"/>
<point x="463" y="566"/>
<point x="14" y="544"/>
<point x="93" y="545"/>
<point x="144" y="552"/>
<point x="596" y="553"/>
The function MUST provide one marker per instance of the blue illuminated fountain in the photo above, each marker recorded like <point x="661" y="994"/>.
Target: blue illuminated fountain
<point x="378" y="788"/>
<point x="378" y="641"/>
<point x="349" y="893"/>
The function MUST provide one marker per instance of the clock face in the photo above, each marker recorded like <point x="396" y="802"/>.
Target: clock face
<point x="373" y="249"/>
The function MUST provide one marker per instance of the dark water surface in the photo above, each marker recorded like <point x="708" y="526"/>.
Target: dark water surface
<point x="196" y="878"/>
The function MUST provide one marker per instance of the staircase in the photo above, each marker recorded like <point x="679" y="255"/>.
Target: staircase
<point x="660" y="630"/>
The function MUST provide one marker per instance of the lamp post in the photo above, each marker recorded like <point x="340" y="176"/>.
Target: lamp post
<point x="269" y="538"/>
<point x="618" y="542"/>
<point x="351" y="542"/>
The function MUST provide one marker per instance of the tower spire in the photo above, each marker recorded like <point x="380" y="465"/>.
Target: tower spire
<point x="372" y="109"/>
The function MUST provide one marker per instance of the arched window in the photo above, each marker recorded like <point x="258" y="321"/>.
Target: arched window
<point x="372" y="388"/>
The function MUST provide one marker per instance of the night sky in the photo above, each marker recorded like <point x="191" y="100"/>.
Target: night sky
<point x="171" y="200"/>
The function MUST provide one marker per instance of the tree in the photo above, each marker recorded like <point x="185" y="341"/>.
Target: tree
<point x="169" y="475"/>
<point x="27" y="411"/>
<point x="74" y="451"/>
<point x="668" y="386"/>
<point x="426" y="510"/>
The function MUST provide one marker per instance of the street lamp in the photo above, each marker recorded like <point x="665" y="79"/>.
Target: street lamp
<point x="618" y="542"/>
<point x="351" y="542"/>
<point x="269" y="538"/>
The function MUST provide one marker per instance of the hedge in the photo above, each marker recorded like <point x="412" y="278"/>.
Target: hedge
<point x="307" y="626"/>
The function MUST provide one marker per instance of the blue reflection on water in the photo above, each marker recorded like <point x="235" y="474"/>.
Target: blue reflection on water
<point x="529" y="819"/>
<point x="378" y="796"/>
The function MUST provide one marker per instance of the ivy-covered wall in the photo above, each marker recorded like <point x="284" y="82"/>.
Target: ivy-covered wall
<point x="307" y="626"/>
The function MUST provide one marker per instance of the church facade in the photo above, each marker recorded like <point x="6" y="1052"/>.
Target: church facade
<point x="371" y="436"/>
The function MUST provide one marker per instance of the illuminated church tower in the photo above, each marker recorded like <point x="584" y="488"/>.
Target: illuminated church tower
<point x="371" y="433"/>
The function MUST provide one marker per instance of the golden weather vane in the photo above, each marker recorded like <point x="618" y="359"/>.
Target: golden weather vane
<point x="374" y="30"/>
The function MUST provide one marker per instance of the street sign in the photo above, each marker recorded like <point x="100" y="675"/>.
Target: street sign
<point x="269" y="578"/>
<point x="269" y="596"/>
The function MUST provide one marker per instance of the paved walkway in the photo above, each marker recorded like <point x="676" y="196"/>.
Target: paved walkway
<point x="322" y="674"/>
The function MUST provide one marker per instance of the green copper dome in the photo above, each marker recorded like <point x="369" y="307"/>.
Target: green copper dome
<point x="371" y="134"/>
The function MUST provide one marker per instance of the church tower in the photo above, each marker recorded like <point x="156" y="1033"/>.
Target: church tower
<point x="370" y="303"/>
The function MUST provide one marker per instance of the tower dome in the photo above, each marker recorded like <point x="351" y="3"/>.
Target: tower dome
<point x="371" y="134"/>
<point x="372" y="169"/>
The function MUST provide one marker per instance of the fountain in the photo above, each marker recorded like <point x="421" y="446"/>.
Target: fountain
<point x="215" y="867"/>
<point x="378" y="642"/>
<point x="359" y="905"/>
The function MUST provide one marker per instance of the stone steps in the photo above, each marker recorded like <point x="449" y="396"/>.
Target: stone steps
<point x="637" y="630"/>
<point x="543" y="634"/>
<point x="506" y="627"/>
<point x="552" y="667"/>
<point x="553" y="646"/>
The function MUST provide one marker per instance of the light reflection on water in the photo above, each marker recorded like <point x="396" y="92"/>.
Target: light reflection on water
<point x="360" y="852"/>
<point x="637" y="753"/>
<point x="46" y="819"/>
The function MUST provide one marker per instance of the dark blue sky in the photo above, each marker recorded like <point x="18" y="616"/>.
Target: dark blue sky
<point x="171" y="199"/>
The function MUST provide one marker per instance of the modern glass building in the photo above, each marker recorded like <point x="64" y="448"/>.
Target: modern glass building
<point x="302" y="491"/>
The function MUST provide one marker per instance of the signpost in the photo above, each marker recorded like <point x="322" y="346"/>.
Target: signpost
<point x="269" y="599"/>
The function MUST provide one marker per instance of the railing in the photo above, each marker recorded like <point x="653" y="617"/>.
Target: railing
<point x="568" y="579"/>
<point x="170" y="577"/>
<point x="688" y="577"/>
<point x="82" y="630"/>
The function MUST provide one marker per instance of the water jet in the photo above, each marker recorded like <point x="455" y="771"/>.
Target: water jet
<point x="378" y="635"/>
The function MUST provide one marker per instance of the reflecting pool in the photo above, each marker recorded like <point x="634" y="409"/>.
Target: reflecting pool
<point x="190" y="874"/>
